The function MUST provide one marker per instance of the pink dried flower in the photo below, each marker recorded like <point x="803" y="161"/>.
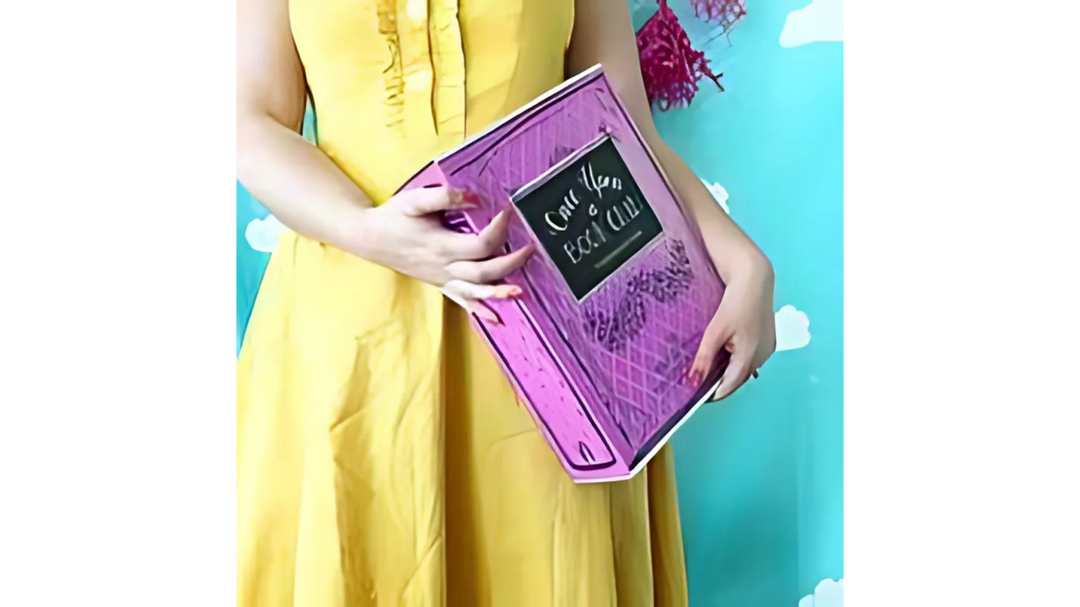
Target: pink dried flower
<point x="670" y="67"/>
<point x="725" y="13"/>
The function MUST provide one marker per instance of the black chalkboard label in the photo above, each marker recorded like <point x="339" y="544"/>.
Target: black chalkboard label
<point x="589" y="215"/>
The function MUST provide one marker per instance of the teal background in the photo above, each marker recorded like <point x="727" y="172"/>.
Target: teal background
<point x="761" y="474"/>
<point x="250" y="264"/>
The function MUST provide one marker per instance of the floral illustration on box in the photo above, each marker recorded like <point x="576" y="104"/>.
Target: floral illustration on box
<point x="614" y="327"/>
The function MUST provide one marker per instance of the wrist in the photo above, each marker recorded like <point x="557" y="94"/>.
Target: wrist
<point x="359" y="235"/>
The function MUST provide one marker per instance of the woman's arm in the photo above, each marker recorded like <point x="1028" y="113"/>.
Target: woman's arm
<point x="603" y="34"/>
<point x="294" y="179"/>
<point x="744" y="324"/>
<point x="307" y="192"/>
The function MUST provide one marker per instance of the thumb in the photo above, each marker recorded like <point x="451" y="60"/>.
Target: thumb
<point x="715" y="339"/>
<point x="424" y="201"/>
<point x="736" y="374"/>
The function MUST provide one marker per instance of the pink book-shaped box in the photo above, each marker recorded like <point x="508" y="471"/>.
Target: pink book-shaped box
<point x="619" y="292"/>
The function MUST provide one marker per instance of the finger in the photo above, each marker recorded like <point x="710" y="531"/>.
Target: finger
<point x="455" y="297"/>
<point x="424" y="201"/>
<point x="468" y="290"/>
<point x="765" y="354"/>
<point x="471" y="306"/>
<point x="716" y="337"/>
<point x="491" y="270"/>
<point x="494" y="234"/>
<point x="736" y="374"/>
<point x="486" y="244"/>
<point x="759" y="360"/>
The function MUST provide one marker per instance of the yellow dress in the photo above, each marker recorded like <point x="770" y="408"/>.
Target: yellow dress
<point x="382" y="458"/>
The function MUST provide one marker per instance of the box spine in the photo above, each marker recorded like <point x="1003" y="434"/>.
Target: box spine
<point x="542" y="384"/>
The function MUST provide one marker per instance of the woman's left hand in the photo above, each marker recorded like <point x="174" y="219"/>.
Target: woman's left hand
<point x="744" y="325"/>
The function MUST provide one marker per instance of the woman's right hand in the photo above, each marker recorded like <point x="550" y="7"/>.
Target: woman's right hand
<point x="406" y="235"/>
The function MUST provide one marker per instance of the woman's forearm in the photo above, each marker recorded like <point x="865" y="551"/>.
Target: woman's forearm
<point x="300" y="185"/>
<point x="604" y="34"/>
<point x="730" y="248"/>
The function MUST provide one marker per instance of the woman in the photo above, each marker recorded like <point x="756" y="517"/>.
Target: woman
<point x="382" y="458"/>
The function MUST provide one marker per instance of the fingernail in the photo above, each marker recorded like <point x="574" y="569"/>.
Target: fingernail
<point x="505" y="291"/>
<point x="470" y="197"/>
<point x="459" y="198"/>
<point x="500" y="292"/>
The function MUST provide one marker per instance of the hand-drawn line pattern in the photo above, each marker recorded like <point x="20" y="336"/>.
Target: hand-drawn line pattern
<point x="614" y="327"/>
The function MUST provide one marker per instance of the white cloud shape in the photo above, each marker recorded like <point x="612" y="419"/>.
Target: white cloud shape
<point x="263" y="234"/>
<point x="822" y="21"/>
<point x="719" y="193"/>
<point x="828" y="593"/>
<point x="792" y="330"/>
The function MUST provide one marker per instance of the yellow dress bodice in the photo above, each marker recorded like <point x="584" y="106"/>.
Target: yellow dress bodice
<point x="389" y="82"/>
